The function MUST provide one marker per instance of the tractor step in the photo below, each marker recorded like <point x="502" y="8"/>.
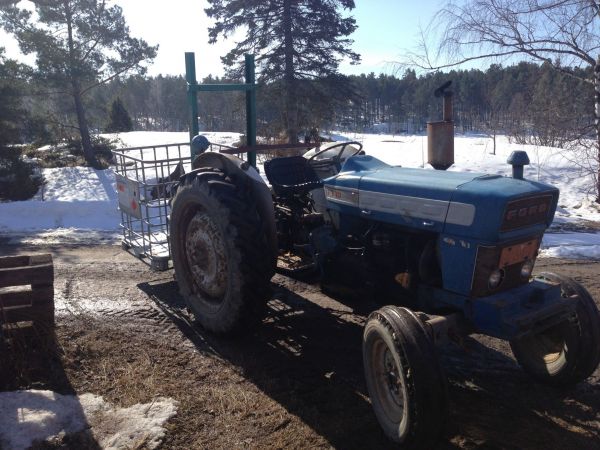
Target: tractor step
<point x="293" y="264"/>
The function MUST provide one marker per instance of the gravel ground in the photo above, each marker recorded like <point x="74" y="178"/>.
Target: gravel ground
<point x="123" y="333"/>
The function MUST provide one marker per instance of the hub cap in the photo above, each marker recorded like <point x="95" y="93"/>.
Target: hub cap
<point x="206" y="256"/>
<point x="389" y="383"/>
<point x="394" y="380"/>
<point x="548" y="345"/>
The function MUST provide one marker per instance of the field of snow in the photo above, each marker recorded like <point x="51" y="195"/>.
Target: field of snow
<point x="81" y="203"/>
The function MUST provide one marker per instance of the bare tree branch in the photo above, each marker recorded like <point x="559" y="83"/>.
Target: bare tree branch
<point x="562" y="33"/>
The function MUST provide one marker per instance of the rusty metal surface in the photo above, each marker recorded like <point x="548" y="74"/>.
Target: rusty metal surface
<point x="447" y="113"/>
<point x="206" y="254"/>
<point x="265" y="148"/>
<point x="440" y="144"/>
<point x="518" y="253"/>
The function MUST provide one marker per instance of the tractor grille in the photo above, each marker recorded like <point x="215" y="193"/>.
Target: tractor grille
<point x="526" y="211"/>
<point x="509" y="259"/>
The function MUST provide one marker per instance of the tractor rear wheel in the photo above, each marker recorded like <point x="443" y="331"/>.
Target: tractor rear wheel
<point x="404" y="378"/>
<point x="566" y="353"/>
<point x="218" y="244"/>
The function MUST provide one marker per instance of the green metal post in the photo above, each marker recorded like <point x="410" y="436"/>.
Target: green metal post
<point x="192" y="92"/>
<point x="250" y="109"/>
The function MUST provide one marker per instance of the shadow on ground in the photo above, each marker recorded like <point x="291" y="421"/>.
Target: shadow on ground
<point x="307" y="357"/>
<point x="31" y="359"/>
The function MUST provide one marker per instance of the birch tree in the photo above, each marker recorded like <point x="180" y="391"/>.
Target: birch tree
<point x="562" y="33"/>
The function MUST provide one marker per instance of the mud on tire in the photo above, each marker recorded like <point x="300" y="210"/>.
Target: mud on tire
<point x="568" y="352"/>
<point x="404" y="379"/>
<point x="219" y="251"/>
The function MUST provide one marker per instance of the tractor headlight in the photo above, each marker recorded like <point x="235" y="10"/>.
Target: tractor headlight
<point x="496" y="278"/>
<point x="527" y="268"/>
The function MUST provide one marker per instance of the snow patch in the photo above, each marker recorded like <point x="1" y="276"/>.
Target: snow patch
<point x="28" y="416"/>
<point x="70" y="184"/>
<point x="571" y="245"/>
<point x="64" y="236"/>
<point x="72" y="198"/>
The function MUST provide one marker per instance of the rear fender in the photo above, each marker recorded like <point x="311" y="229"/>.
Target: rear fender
<point x="246" y="176"/>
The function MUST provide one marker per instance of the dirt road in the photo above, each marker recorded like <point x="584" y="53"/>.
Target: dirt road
<point x="297" y="382"/>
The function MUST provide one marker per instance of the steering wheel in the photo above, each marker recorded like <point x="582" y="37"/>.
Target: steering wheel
<point x="337" y="159"/>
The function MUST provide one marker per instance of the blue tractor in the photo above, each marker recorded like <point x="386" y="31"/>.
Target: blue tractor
<point x="449" y="253"/>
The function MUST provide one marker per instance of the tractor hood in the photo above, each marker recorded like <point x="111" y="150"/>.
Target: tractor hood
<point x="474" y="205"/>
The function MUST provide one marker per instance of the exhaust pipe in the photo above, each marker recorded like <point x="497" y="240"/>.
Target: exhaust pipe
<point x="440" y="135"/>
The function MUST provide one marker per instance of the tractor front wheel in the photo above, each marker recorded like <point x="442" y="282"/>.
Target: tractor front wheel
<point x="218" y="244"/>
<point x="404" y="378"/>
<point x="568" y="352"/>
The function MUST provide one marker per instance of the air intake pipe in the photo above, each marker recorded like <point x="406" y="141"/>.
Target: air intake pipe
<point x="518" y="160"/>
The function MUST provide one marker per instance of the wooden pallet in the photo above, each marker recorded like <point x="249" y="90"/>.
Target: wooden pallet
<point x="27" y="290"/>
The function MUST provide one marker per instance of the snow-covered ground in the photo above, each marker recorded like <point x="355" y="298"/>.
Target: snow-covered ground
<point x="148" y="138"/>
<point x="79" y="204"/>
<point x="30" y="416"/>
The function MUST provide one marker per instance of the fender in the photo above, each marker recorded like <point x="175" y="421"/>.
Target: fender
<point x="246" y="175"/>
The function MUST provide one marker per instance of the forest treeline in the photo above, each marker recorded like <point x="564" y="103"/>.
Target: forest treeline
<point x="530" y="102"/>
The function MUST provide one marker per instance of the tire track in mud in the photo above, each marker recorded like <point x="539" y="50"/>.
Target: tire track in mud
<point x="108" y="291"/>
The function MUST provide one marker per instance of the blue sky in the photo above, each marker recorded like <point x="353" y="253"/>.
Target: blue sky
<point x="386" y="29"/>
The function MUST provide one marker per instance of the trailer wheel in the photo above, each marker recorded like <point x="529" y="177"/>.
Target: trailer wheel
<point x="568" y="352"/>
<point x="218" y="245"/>
<point x="404" y="378"/>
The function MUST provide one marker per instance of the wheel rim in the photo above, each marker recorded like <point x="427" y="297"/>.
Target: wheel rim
<point x="389" y="383"/>
<point x="547" y="346"/>
<point x="205" y="251"/>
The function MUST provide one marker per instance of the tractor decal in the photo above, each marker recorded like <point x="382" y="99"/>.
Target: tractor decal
<point x="345" y="196"/>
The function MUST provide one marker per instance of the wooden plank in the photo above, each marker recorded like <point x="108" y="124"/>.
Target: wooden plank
<point x="26" y="297"/>
<point x="33" y="313"/>
<point x="40" y="259"/>
<point x="14" y="261"/>
<point x="26" y="289"/>
<point x="24" y="260"/>
<point x="41" y="275"/>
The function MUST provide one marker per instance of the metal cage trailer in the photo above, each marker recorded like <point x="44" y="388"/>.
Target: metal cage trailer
<point x="146" y="180"/>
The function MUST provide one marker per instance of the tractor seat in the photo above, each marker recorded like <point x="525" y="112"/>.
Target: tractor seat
<point x="291" y="175"/>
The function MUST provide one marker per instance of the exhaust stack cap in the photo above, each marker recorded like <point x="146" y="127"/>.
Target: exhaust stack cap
<point x="518" y="159"/>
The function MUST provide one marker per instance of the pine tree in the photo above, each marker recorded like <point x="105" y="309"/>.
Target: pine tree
<point x="293" y="40"/>
<point x="119" y="119"/>
<point x="16" y="181"/>
<point x="11" y="110"/>
<point x="79" y="44"/>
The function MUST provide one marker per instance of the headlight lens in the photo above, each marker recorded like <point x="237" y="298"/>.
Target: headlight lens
<point x="527" y="268"/>
<point x="496" y="278"/>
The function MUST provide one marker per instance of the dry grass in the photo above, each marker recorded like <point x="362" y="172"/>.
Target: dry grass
<point x="29" y="357"/>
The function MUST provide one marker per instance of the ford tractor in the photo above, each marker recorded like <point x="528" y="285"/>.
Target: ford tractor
<point x="449" y="253"/>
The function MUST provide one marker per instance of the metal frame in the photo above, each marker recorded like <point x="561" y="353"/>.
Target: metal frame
<point x="249" y="87"/>
<point x="147" y="170"/>
<point x="143" y="173"/>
